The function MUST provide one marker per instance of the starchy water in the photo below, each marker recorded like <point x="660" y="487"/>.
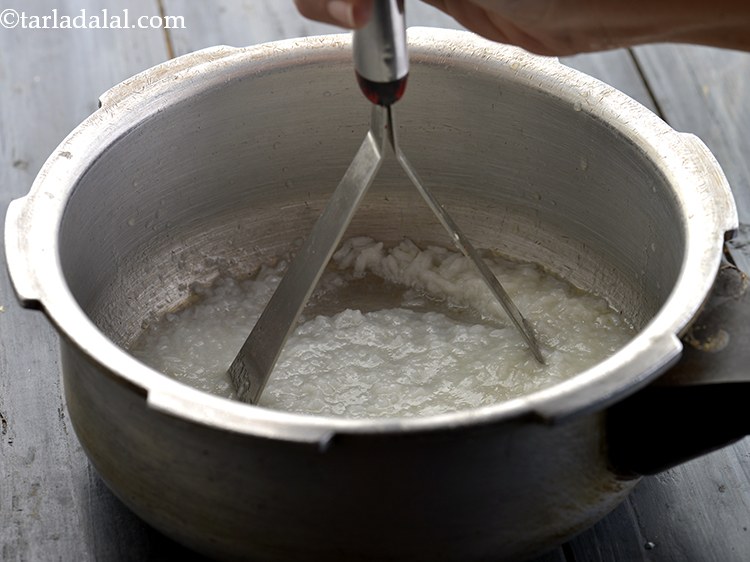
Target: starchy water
<point x="392" y="332"/>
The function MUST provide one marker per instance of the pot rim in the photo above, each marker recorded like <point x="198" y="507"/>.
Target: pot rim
<point x="34" y="221"/>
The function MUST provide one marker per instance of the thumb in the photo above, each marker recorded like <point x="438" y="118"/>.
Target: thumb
<point x="346" y="13"/>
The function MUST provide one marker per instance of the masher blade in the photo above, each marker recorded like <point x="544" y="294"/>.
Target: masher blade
<point x="466" y="247"/>
<point x="252" y="367"/>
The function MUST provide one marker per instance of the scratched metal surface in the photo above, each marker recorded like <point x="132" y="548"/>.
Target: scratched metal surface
<point x="53" y="505"/>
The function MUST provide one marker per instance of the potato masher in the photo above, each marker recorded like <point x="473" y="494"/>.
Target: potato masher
<point x="382" y="67"/>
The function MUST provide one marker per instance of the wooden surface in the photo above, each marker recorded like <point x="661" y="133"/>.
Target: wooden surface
<point x="52" y="504"/>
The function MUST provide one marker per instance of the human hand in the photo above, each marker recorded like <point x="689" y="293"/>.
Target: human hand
<point x="564" y="27"/>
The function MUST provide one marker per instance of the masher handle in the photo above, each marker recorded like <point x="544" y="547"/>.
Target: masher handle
<point x="381" y="60"/>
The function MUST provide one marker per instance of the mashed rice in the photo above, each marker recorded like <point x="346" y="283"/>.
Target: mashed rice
<point x="392" y="332"/>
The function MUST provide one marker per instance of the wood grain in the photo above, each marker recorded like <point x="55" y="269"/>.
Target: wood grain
<point x="52" y="504"/>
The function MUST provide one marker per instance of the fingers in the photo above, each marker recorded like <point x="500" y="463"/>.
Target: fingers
<point x="346" y="13"/>
<point x="474" y="17"/>
<point x="515" y="22"/>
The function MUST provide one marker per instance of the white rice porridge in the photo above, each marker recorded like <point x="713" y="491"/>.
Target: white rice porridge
<point x="392" y="332"/>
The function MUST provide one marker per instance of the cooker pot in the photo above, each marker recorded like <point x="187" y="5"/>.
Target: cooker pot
<point x="217" y="161"/>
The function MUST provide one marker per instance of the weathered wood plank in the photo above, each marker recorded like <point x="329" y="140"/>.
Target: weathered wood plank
<point x="698" y="511"/>
<point x="235" y="23"/>
<point x="616" y="537"/>
<point x="52" y="507"/>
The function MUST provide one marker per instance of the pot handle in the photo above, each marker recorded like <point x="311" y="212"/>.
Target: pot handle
<point x="21" y="274"/>
<point x="699" y="405"/>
